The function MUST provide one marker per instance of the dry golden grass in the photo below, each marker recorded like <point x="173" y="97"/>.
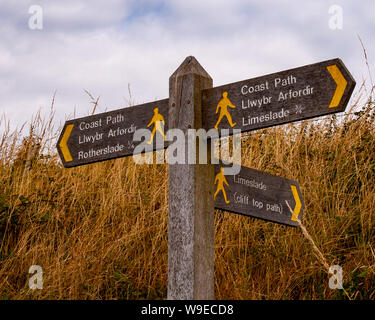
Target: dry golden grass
<point x="100" y="231"/>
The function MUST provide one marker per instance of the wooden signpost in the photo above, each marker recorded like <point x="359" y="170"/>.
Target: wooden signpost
<point x="196" y="189"/>
<point x="297" y="94"/>
<point x="191" y="203"/>
<point x="109" y="135"/>
<point x="258" y="194"/>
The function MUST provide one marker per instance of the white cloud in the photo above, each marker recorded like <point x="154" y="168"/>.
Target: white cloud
<point x="102" y="46"/>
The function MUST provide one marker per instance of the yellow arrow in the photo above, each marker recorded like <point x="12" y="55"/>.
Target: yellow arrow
<point x="63" y="143"/>
<point x="341" y="85"/>
<point x="298" y="206"/>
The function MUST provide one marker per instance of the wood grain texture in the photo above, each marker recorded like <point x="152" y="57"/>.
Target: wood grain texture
<point x="191" y="207"/>
<point x="256" y="102"/>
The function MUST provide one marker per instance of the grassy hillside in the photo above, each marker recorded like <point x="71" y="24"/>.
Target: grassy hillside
<point x="100" y="231"/>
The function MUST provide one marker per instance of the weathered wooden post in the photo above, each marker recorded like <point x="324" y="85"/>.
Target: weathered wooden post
<point x="287" y="96"/>
<point x="191" y="203"/>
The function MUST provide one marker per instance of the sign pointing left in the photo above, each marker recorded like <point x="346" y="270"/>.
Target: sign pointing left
<point x="64" y="143"/>
<point x="109" y="135"/>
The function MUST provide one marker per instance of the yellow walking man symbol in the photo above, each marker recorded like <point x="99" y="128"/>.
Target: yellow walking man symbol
<point x="223" y="105"/>
<point x="157" y="119"/>
<point x="220" y="179"/>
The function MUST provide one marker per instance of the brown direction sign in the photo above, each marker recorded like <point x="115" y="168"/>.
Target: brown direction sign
<point x="258" y="194"/>
<point x="296" y="94"/>
<point x="109" y="135"/>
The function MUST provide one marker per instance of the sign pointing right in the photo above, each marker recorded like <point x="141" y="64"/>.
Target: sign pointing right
<point x="296" y="94"/>
<point x="258" y="194"/>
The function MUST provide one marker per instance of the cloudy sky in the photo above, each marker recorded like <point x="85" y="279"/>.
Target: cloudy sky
<point x="103" y="46"/>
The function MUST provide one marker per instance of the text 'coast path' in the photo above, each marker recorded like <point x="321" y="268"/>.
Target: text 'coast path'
<point x="301" y="93"/>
